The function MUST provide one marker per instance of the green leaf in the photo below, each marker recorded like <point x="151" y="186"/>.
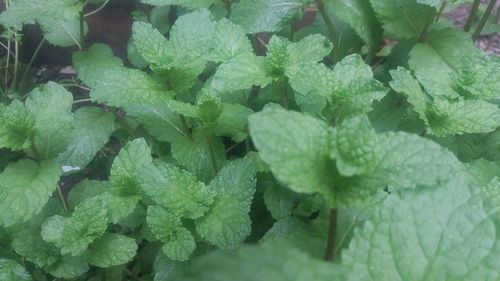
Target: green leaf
<point x="16" y="126"/>
<point x="168" y="228"/>
<point x="25" y="187"/>
<point x="151" y="44"/>
<point x="241" y="73"/>
<point x="233" y="121"/>
<point x="92" y="130"/>
<point x="360" y="16"/>
<point x="125" y="176"/>
<point x="192" y="4"/>
<point x="12" y="271"/>
<point x="403" y="19"/>
<point x="123" y="87"/>
<point x="69" y="267"/>
<point x="176" y="190"/>
<point x="256" y="16"/>
<point x="255" y="263"/>
<point x="388" y="160"/>
<point x="230" y="41"/>
<point x="290" y="142"/>
<point x="228" y="223"/>
<point x="354" y="146"/>
<point x="51" y="105"/>
<point x="350" y="87"/>
<point x="111" y="250"/>
<point x="62" y="32"/>
<point x="84" y="190"/>
<point x="27" y="11"/>
<point x="440" y="56"/>
<point x="196" y="153"/>
<point x="406" y="239"/>
<point x="73" y="234"/>
<point x="279" y="201"/>
<point x="91" y="64"/>
<point x="404" y="83"/>
<point x="463" y="116"/>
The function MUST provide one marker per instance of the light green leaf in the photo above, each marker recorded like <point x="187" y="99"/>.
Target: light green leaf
<point x="404" y="83"/>
<point x="360" y="16"/>
<point x="62" y="32"/>
<point x="233" y="121"/>
<point x="151" y="44"/>
<point x="433" y="233"/>
<point x="92" y="130"/>
<point x="228" y="223"/>
<point x="16" y="126"/>
<point x="230" y="41"/>
<point x="84" y="190"/>
<point x="111" y="250"/>
<point x="403" y="19"/>
<point x="27" y="11"/>
<point x="176" y="190"/>
<point x="312" y="48"/>
<point x="123" y="87"/>
<point x="12" y="271"/>
<point x="69" y="267"/>
<point x="73" y="234"/>
<point x="256" y="263"/>
<point x="440" y="56"/>
<point x="192" y="4"/>
<point x="25" y="187"/>
<point x="279" y="201"/>
<point x="91" y="64"/>
<point x="241" y="73"/>
<point x="195" y="154"/>
<point x="354" y="147"/>
<point x="463" y="116"/>
<point x="51" y="105"/>
<point x="168" y="228"/>
<point x="125" y="176"/>
<point x="265" y="15"/>
<point x="290" y="142"/>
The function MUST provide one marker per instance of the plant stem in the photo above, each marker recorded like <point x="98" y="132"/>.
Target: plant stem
<point x="62" y="198"/>
<point x="483" y="20"/>
<point x="212" y="152"/>
<point x="472" y="15"/>
<point x="16" y="62"/>
<point x="97" y="10"/>
<point x="332" y="236"/>
<point x="441" y="10"/>
<point x="7" y="62"/>
<point x="428" y="23"/>
<point x="329" y="24"/>
<point x="186" y="127"/>
<point x="82" y="30"/>
<point x="30" y="63"/>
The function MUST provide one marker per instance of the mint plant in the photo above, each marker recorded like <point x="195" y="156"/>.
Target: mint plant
<point x="235" y="145"/>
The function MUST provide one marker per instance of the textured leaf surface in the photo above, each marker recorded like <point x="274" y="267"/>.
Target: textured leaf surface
<point x="69" y="267"/>
<point x="25" y="187"/>
<point x="92" y="130"/>
<point x="230" y="41"/>
<point x="195" y="154"/>
<point x="255" y="263"/>
<point x="241" y="73"/>
<point x="177" y="190"/>
<point x="51" y="105"/>
<point x="73" y="235"/>
<point x="440" y="56"/>
<point x="125" y="190"/>
<point x="168" y="228"/>
<point x="406" y="239"/>
<point x="228" y="223"/>
<point x="151" y="44"/>
<point x="404" y="83"/>
<point x="12" y="271"/>
<point x="290" y="142"/>
<point x="24" y="11"/>
<point x="403" y="19"/>
<point x="91" y="64"/>
<point x="265" y="15"/>
<point x="84" y="190"/>
<point x="111" y="250"/>
<point x="185" y="3"/>
<point x="16" y="125"/>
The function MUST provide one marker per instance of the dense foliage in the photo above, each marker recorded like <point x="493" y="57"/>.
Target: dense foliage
<point x="237" y="145"/>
